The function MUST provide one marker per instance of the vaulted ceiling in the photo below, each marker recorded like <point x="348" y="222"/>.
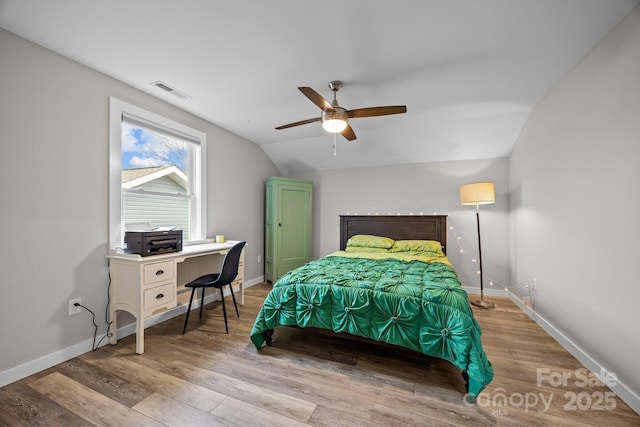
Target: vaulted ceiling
<point x="469" y="71"/>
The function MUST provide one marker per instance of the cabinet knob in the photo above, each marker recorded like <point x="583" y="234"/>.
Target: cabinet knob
<point x="279" y="225"/>
<point x="159" y="296"/>
<point x="159" y="272"/>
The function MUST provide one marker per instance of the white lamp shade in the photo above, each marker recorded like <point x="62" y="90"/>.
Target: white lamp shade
<point x="480" y="193"/>
<point x="334" y="125"/>
<point x="334" y="121"/>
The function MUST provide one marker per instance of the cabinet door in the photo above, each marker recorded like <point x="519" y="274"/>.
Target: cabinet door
<point x="287" y="225"/>
<point x="294" y="225"/>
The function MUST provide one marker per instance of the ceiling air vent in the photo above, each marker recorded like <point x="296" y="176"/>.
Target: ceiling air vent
<point x="167" y="88"/>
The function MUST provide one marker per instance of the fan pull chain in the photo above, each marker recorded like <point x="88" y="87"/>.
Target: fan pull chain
<point x="335" y="149"/>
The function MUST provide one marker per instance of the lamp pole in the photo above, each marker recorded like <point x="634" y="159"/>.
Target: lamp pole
<point x="480" y="303"/>
<point x="480" y="252"/>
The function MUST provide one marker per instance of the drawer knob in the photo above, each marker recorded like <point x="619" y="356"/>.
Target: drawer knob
<point x="159" y="296"/>
<point x="159" y="272"/>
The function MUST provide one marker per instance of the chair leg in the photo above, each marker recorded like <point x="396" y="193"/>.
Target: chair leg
<point x="201" y="302"/>
<point x="234" y="300"/>
<point x="224" y="310"/>
<point x="193" y="290"/>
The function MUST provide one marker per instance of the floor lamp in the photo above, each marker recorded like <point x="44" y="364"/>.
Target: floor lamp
<point x="479" y="193"/>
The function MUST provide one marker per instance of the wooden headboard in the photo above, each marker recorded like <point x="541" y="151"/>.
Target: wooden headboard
<point x="397" y="227"/>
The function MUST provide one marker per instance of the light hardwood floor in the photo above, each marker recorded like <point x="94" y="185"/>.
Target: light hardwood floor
<point x="208" y="378"/>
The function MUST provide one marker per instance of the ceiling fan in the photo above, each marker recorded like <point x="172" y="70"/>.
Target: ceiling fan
<point x="334" y="118"/>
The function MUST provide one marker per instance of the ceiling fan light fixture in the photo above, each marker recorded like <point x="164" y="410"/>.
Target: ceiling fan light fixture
<point x="334" y="118"/>
<point x="334" y="121"/>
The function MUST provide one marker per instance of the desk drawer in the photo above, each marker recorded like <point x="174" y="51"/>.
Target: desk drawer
<point x="158" y="272"/>
<point x="159" y="296"/>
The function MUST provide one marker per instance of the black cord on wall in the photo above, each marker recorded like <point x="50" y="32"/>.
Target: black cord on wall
<point x="93" y="319"/>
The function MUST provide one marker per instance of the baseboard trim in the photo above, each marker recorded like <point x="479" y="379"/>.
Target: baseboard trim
<point x="494" y="292"/>
<point x="620" y="389"/>
<point x="29" y="368"/>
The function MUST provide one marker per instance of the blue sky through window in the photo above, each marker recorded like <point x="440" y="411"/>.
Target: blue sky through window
<point x="142" y="148"/>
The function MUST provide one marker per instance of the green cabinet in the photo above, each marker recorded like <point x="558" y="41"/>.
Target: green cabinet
<point x="287" y="225"/>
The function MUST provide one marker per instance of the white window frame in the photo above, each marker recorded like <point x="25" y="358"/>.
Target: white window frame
<point x="198" y="217"/>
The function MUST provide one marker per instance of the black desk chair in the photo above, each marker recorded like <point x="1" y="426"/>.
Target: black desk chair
<point x="227" y="274"/>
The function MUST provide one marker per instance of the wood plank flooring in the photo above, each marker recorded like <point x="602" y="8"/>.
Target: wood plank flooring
<point x="309" y="377"/>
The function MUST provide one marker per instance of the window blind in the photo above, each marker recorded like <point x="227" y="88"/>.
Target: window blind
<point x="140" y="122"/>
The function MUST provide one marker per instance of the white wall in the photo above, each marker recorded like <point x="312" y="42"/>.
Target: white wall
<point x="415" y="188"/>
<point x="54" y="200"/>
<point x="575" y="201"/>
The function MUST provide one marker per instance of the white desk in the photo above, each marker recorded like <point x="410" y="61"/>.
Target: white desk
<point x="143" y="286"/>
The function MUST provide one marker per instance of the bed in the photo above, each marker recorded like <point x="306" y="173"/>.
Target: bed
<point x="390" y="282"/>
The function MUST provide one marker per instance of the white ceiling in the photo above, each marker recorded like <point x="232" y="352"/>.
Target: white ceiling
<point x="469" y="71"/>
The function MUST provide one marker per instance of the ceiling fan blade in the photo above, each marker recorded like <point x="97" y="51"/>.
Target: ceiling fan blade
<point x="348" y="133"/>
<point x="301" y="122"/>
<point x="316" y="98"/>
<point x="376" y="111"/>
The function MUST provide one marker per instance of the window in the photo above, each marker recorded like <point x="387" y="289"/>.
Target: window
<point x="157" y="173"/>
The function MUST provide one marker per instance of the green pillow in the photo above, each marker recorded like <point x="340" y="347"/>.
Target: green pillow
<point x="369" y="241"/>
<point x="426" y="246"/>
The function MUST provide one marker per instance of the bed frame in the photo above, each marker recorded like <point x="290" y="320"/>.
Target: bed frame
<point x="397" y="227"/>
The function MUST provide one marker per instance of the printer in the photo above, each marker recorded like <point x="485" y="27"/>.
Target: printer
<point x="145" y="243"/>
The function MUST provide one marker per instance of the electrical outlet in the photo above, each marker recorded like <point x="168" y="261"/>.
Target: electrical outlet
<point x="259" y="259"/>
<point x="73" y="308"/>
<point x="534" y="283"/>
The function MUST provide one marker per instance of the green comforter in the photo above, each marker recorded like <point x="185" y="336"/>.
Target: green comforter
<point x="411" y="301"/>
